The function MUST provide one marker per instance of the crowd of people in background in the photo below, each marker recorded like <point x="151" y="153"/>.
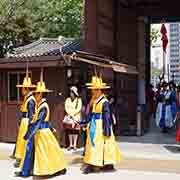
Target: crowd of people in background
<point x="164" y="106"/>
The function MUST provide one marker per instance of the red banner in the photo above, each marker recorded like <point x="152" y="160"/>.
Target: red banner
<point x="164" y="37"/>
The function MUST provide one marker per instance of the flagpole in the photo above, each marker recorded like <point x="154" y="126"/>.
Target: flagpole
<point x="164" y="65"/>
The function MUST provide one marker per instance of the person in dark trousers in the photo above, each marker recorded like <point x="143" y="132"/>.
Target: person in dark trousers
<point x="112" y="109"/>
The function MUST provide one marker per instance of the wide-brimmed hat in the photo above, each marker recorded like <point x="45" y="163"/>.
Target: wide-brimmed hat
<point x="41" y="87"/>
<point x="74" y="89"/>
<point x="27" y="83"/>
<point x="97" y="83"/>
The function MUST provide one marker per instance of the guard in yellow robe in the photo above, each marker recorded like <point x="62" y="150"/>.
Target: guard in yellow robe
<point x="101" y="149"/>
<point x="48" y="156"/>
<point x="27" y="113"/>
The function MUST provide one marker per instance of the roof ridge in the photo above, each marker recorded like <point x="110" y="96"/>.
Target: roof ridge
<point x="28" y="46"/>
<point x="64" y="40"/>
<point x="48" y="39"/>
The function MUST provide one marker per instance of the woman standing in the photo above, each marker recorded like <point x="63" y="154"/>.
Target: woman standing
<point x="48" y="156"/>
<point x="73" y="107"/>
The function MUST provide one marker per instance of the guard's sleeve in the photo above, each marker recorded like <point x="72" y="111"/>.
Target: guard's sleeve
<point x="31" y="109"/>
<point x="106" y="119"/>
<point x="32" y="129"/>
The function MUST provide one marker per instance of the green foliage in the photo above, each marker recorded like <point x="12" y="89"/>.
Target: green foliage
<point x="53" y="18"/>
<point x="155" y="72"/>
<point x="22" y="21"/>
<point x="155" y="34"/>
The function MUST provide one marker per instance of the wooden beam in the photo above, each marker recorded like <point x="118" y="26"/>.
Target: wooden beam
<point x="102" y="59"/>
<point x="30" y="59"/>
<point x="115" y="66"/>
<point x="14" y="65"/>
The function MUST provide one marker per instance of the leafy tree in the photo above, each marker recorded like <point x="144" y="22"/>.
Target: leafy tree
<point x="22" y="21"/>
<point x="155" y="71"/>
<point x="155" y="34"/>
<point x="53" y="18"/>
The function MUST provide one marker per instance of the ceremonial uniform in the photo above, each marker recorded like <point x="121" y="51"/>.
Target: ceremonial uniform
<point x="48" y="156"/>
<point x="165" y="110"/>
<point x="27" y="112"/>
<point x="101" y="148"/>
<point x="161" y="110"/>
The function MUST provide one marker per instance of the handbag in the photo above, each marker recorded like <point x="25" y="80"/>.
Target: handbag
<point x="68" y="123"/>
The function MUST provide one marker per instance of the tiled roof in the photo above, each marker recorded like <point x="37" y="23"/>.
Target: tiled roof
<point x="42" y="47"/>
<point x="68" y="48"/>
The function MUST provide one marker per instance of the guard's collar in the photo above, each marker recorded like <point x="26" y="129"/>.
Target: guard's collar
<point x="99" y="98"/>
<point x="42" y="101"/>
<point x="29" y="94"/>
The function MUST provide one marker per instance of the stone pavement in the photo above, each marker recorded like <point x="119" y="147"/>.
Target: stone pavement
<point x="6" y="172"/>
<point x="154" y="155"/>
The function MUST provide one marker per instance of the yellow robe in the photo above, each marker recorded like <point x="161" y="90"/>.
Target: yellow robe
<point x="21" y="143"/>
<point x="49" y="157"/>
<point x="105" y="151"/>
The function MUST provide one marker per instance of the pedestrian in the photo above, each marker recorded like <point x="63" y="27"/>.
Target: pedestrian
<point x="172" y="88"/>
<point x="71" y="122"/>
<point x="164" y="116"/>
<point x="83" y="124"/>
<point x="27" y="113"/>
<point x="101" y="149"/>
<point x="151" y="100"/>
<point x="112" y="109"/>
<point x="48" y="157"/>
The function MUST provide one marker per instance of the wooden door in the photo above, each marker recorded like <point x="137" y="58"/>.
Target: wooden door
<point x="126" y="103"/>
<point x="9" y="121"/>
<point x="55" y="80"/>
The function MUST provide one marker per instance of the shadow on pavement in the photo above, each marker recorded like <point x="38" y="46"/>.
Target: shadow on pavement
<point x="173" y="149"/>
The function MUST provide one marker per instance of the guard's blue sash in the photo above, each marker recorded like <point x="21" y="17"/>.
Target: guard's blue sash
<point x="93" y="118"/>
<point x="44" y="125"/>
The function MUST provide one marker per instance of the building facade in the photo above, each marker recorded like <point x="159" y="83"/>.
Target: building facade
<point x="174" y="51"/>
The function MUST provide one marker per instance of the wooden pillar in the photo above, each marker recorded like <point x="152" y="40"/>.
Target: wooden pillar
<point x="141" y="100"/>
<point x="148" y="52"/>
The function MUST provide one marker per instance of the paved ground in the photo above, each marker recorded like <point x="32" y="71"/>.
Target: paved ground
<point x="154" y="155"/>
<point x="75" y="173"/>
